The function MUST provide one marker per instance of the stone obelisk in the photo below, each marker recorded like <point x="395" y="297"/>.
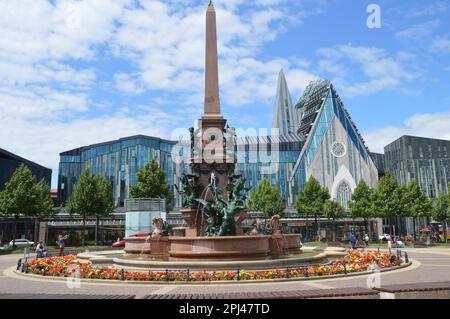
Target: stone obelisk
<point x="212" y="101"/>
<point x="210" y="162"/>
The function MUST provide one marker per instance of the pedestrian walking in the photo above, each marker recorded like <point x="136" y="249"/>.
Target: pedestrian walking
<point x="61" y="242"/>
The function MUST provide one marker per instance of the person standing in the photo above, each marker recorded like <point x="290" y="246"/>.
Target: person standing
<point x="353" y="241"/>
<point x="61" y="242"/>
<point x="366" y="240"/>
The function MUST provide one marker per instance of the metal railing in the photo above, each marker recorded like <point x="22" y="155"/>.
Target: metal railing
<point x="145" y="205"/>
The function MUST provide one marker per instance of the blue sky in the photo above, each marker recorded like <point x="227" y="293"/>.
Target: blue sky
<point x="74" y="73"/>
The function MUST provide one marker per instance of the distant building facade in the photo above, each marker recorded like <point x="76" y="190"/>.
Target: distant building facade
<point x="380" y="163"/>
<point x="10" y="162"/>
<point x="425" y="160"/>
<point x="119" y="161"/>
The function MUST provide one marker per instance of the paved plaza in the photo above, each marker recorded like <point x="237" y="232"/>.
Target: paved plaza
<point x="429" y="265"/>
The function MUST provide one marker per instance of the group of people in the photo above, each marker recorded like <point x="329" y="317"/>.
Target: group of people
<point x="41" y="252"/>
<point x="354" y="241"/>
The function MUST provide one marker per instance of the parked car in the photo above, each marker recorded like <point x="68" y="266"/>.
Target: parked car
<point x="21" y="243"/>
<point x="385" y="237"/>
<point x="121" y="243"/>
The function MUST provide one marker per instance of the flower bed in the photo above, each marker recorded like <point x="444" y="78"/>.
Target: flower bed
<point x="354" y="261"/>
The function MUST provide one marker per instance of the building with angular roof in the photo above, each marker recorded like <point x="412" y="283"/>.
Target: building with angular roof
<point x="334" y="151"/>
<point x="285" y="117"/>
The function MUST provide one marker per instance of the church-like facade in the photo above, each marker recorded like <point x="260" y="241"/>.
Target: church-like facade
<point x="333" y="150"/>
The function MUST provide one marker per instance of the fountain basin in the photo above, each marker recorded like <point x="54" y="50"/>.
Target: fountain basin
<point x="227" y="248"/>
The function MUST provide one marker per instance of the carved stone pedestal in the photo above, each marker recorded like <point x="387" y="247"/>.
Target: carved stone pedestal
<point x="194" y="220"/>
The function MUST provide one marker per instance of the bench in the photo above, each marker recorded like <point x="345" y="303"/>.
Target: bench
<point x="419" y="244"/>
<point x="334" y="244"/>
<point x="63" y="296"/>
<point x="429" y="290"/>
<point x="347" y="293"/>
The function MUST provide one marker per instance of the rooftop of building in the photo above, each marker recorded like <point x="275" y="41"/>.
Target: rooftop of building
<point x="8" y="155"/>
<point x="79" y="150"/>
<point x="418" y="138"/>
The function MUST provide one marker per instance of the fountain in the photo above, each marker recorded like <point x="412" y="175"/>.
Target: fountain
<point x="213" y="196"/>
<point x="213" y="200"/>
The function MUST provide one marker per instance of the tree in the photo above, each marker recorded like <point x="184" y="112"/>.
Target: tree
<point x="441" y="211"/>
<point x="311" y="200"/>
<point x="92" y="197"/>
<point x="361" y="204"/>
<point x="267" y="199"/>
<point x="152" y="183"/>
<point x="24" y="196"/>
<point x="418" y="203"/>
<point x="105" y="201"/>
<point x="333" y="210"/>
<point x="389" y="198"/>
<point x="44" y="204"/>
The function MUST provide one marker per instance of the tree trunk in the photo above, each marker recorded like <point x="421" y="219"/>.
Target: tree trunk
<point x="15" y="221"/>
<point x="84" y="232"/>
<point x="366" y="223"/>
<point x="97" y="220"/>
<point x="444" y="232"/>
<point x="334" y="230"/>
<point x="36" y="230"/>
<point x="316" y="226"/>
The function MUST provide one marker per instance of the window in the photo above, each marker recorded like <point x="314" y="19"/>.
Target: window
<point x="343" y="195"/>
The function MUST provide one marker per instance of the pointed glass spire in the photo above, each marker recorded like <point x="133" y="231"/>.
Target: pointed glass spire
<point x="285" y="117"/>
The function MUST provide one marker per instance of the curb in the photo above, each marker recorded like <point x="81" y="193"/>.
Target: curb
<point x="193" y="283"/>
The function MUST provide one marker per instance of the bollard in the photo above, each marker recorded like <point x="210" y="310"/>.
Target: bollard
<point x="122" y="274"/>
<point x="345" y="269"/>
<point x="238" y="274"/>
<point x="187" y="275"/>
<point x="167" y="274"/>
<point x="305" y="271"/>
<point x="287" y="272"/>
<point x="406" y="257"/>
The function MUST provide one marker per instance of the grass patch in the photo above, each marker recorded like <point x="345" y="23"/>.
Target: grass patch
<point x="9" y="251"/>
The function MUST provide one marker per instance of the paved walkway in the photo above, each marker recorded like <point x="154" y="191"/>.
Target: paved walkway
<point x="429" y="265"/>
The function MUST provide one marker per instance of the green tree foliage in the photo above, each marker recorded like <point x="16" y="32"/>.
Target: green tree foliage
<point x="267" y="199"/>
<point x="333" y="210"/>
<point x="418" y="204"/>
<point x="389" y="198"/>
<point x="92" y="197"/>
<point x="441" y="211"/>
<point x="24" y="196"/>
<point x="151" y="182"/>
<point x="361" y="204"/>
<point x="311" y="201"/>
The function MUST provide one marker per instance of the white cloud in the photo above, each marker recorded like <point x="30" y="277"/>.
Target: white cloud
<point x="434" y="8"/>
<point x="419" y="31"/>
<point x="424" y="125"/>
<point x="441" y="45"/>
<point x="365" y="70"/>
<point x="169" y="49"/>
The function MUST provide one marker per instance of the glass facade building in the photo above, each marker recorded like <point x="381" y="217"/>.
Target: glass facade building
<point x="425" y="160"/>
<point x="333" y="152"/>
<point x="119" y="161"/>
